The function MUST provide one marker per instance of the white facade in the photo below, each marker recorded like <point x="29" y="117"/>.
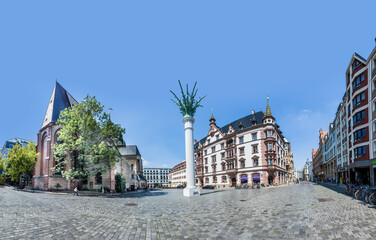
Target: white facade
<point x="310" y="172"/>
<point x="157" y="177"/>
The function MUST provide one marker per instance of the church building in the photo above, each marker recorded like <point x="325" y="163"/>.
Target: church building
<point x="130" y="165"/>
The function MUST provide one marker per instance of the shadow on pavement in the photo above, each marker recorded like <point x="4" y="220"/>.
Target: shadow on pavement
<point x="139" y="195"/>
<point x="211" y="192"/>
<point x="335" y="188"/>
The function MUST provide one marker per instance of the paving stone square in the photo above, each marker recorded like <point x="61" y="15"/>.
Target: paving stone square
<point x="284" y="212"/>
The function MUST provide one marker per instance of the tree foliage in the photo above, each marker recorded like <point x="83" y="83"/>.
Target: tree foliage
<point x="20" y="161"/>
<point x="88" y="139"/>
<point x="188" y="103"/>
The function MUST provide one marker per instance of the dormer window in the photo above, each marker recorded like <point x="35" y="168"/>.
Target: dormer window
<point x="355" y="64"/>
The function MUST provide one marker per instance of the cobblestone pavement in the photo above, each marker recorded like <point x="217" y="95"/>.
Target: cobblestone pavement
<point x="285" y="212"/>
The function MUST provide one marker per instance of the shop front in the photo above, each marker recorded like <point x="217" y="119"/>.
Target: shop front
<point x="256" y="178"/>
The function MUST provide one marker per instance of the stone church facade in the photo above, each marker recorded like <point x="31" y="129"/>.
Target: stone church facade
<point x="44" y="178"/>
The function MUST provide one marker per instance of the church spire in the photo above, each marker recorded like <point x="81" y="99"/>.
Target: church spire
<point x="60" y="99"/>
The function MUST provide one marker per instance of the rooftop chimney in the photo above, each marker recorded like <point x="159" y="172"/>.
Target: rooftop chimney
<point x="253" y="111"/>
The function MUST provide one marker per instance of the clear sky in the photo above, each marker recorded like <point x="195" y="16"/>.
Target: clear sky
<point x="129" y="54"/>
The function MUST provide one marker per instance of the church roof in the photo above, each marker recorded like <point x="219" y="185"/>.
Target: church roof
<point x="239" y="124"/>
<point x="60" y="100"/>
<point x="129" y="150"/>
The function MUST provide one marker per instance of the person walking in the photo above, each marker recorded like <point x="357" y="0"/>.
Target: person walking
<point x="75" y="191"/>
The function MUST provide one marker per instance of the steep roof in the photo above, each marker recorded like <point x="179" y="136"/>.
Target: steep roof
<point x="245" y="122"/>
<point x="60" y="100"/>
<point x="129" y="150"/>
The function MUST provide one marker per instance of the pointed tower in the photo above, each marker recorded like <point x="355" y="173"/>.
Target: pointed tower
<point x="60" y="100"/>
<point x="268" y="117"/>
<point x="44" y="178"/>
<point x="212" y="120"/>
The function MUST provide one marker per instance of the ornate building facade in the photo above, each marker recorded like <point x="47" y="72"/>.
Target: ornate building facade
<point x="250" y="150"/>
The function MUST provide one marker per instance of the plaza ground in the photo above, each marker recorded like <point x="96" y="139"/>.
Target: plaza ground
<point x="285" y="212"/>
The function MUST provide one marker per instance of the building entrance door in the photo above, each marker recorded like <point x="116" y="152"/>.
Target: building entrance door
<point x="270" y="180"/>
<point x="233" y="182"/>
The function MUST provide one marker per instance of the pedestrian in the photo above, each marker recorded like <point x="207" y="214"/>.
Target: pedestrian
<point x="75" y="191"/>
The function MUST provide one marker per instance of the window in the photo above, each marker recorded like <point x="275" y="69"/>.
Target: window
<point x="208" y="141"/>
<point x="132" y="176"/>
<point x="214" y="179"/>
<point x="223" y="167"/>
<point x="98" y="178"/>
<point x="255" y="150"/>
<point x="241" y="140"/>
<point x="355" y="64"/>
<point x="222" y="156"/>
<point x="206" y="169"/>
<point x="255" y="162"/>
<point x="359" y="116"/>
<point x="359" y="151"/>
<point x="358" y="98"/>
<point x="271" y="162"/>
<point x="349" y="108"/>
<point x="269" y="133"/>
<point x="254" y="136"/>
<point x="224" y="179"/>
<point x="359" y="134"/>
<point x="213" y="149"/>
<point x="206" y="180"/>
<point x="350" y="124"/>
<point x="205" y="152"/>
<point x="214" y="159"/>
<point x="206" y="160"/>
<point x="241" y="151"/>
<point x="131" y="167"/>
<point x="222" y="146"/>
<point x="242" y="164"/>
<point x="270" y="146"/>
<point x="217" y="137"/>
<point x="359" y="79"/>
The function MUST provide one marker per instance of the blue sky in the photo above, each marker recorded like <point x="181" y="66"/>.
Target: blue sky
<point x="129" y="54"/>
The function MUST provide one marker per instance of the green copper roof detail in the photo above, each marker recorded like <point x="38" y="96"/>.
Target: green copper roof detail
<point x="268" y="112"/>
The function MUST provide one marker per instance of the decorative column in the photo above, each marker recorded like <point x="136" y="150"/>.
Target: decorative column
<point x="188" y="105"/>
<point x="191" y="189"/>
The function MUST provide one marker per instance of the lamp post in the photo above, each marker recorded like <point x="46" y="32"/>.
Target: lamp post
<point x="188" y="105"/>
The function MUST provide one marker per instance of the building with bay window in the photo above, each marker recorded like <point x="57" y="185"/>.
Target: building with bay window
<point x="250" y="150"/>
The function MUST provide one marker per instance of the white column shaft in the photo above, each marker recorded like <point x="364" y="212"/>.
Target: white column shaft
<point x="189" y="151"/>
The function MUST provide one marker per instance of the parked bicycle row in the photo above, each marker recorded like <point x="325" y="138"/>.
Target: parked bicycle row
<point x="364" y="193"/>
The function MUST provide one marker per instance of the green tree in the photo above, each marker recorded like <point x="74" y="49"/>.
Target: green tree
<point x="20" y="161"/>
<point x="88" y="139"/>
